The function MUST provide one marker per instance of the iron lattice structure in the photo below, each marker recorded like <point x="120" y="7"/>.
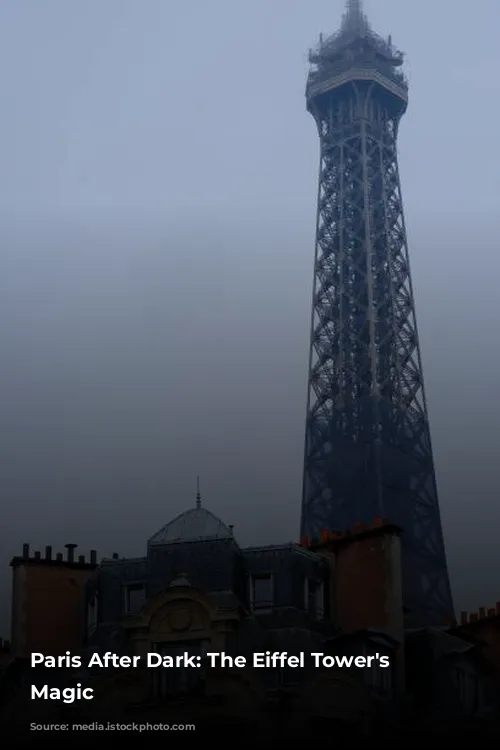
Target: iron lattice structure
<point x="368" y="450"/>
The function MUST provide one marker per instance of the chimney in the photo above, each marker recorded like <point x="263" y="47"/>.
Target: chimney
<point x="93" y="557"/>
<point x="463" y="618"/>
<point x="115" y="556"/>
<point x="71" y="552"/>
<point x="366" y="587"/>
<point x="26" y="551"/>
<point x="491" y="612"/>
<point x="59" y="557"/>
<point x="38" y="555"/>
<point x="498" y="608"/>
<point x="81" y="560"/>
<point x="482" y="613"/>
<point x="367" y="571"/>
<point x="48" y="553"/>
<point x="473" y="617"/>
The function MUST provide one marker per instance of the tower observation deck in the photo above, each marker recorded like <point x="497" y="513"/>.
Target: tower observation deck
<point x="367" y="449"/>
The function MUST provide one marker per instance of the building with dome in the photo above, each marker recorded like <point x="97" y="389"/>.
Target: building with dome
<point x="197" y="591"/>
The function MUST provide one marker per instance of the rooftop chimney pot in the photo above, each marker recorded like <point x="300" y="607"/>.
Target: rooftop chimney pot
<point x="38" y="555"/>
<point x="115" y="556"/>
<point x="26" y="551"/>
<point x="59" y="557"/>
<point x="81" y="559"/>
<point x="48" y="553"/>
<point x="93" y="557"/>
<point x="71" y="551"/>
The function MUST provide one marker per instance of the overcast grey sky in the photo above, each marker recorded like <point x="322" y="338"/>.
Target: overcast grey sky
<point x="157" y="197"/>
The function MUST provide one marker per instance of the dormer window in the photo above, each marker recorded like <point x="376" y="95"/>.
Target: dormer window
<point x="261" y="592"/>
<point x="135" y="596"/>
<point x="315" y="598"/>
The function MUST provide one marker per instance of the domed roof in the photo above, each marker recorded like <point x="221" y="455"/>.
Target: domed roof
<point x="196" y="524"/>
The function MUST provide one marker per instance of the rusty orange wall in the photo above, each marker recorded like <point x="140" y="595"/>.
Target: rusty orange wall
<point x="368" y="584"/>
<point x="51" y="603"/>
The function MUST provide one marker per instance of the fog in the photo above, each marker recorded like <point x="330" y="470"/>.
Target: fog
<point x="157" y="203"/>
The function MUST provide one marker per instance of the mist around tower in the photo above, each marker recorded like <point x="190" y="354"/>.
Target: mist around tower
<point x="346" y="630"/>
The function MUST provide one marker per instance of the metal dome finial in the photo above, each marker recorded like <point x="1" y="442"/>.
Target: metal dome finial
<point x="198" y="496"/>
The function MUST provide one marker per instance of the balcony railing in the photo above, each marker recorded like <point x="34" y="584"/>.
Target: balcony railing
<point x="326" y="71"/>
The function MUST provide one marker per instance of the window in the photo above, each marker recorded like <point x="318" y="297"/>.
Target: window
<point x="460" y="682"/>
<point x="473" y="696"/>
<point x="92" y="615"/>
<point x="467" y="685"/>
<point x="261" y="592"/>
<point x="380" y="677"/>
<point x="180" y="679"/>
<point x="315" y="598"/>
<point x="135" y="596"/>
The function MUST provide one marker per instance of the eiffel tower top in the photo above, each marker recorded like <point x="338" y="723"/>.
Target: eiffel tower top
<point x="354" y="27"/>
<point x="355" y="53"/>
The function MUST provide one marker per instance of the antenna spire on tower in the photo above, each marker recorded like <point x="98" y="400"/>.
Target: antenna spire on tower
<point x="354" y="18"/>
<point x="354" y="8"/>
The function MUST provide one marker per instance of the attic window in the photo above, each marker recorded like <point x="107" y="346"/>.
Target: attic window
<point x="261" y="592"/>
<point x="315" y="598"/>
<point x="135" y="595"/>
